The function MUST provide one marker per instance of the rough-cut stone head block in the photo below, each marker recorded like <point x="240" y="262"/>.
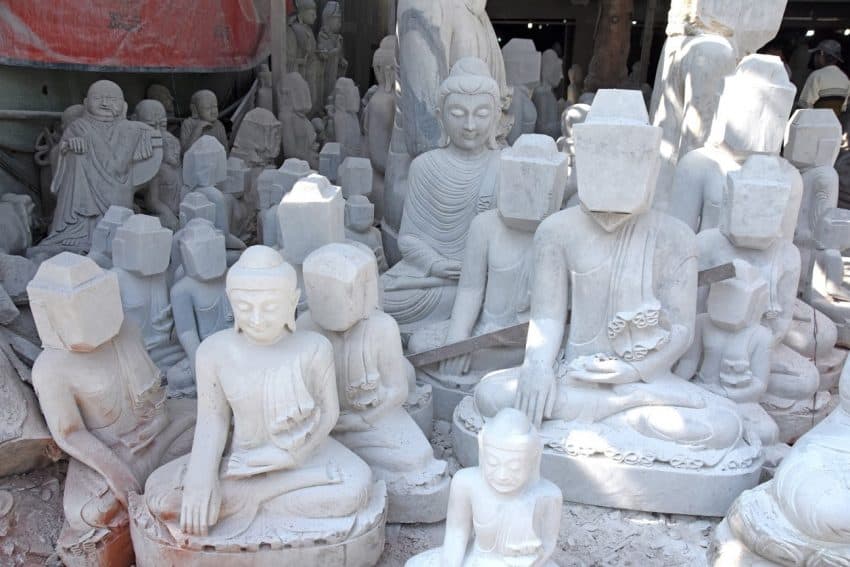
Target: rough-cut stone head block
<point x="617" y="154"/>
<point x="330" y="158"/>
<point x="310" y="216"/>
<point x="341" y="282"/>
<point x="205" y="163"/>
<point x="346" y="95"/>
<point x="355" y="176"/>
<point x="142" y="246"/>
<point x="522" y="62"/>
<point x="260" y="134"/>
<point x="759" y="23"/>
<point x="755" y="201"/>
<point x="238" y="177"/>
<point x="755" y="106"/>
<point x="741" y="300"/>
<point x="269" y="189"/>
<point x="813" y="138"/>
<point x="295" y="93"/>
<point x="105" y="230"/>
<point x="196" y="206"/>
<point x="551" y="68"/>
<point x="75" y="304"/>
<point x="359" y="213"/>
<point x="833" y="231"/>
<point x="203" y="250"/>
<point x="532" y="180"/>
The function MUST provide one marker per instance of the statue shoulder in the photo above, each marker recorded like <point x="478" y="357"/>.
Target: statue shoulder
<point x="384" y="324"/>
<point x="313" y="344"/>
<point x="562" y="223"/>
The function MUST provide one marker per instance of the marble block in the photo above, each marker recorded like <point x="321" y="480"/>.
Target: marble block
<point x="355" y="176"/>
<point x="238" y="177"/>
<point x="310" y="216"/>
<point x="104" y="234"/>
<point x="812" y="138"/>
<point x="205" y="163"/>
<point x="536" y="170"/>
<point x="142" y="245"/>
<point x="330" y="158"/>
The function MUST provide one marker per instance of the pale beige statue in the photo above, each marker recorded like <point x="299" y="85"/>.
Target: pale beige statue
<point x="275" y="485"/>
<point x="494" y="291"/>
<point x="104" y="403"/>
<point x="341" y="282"/>
<point x="447" y="188"/>
<point x="603" y="386"/>
<point x="802" y="516"/>
<point x="501" y="513"/>
<point x="104" y="158"/>
<point x="203" y="122"/>
<point x="433" y="35"/>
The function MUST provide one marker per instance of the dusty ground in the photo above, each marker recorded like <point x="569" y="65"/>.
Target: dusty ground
<point x="31" y="517"/>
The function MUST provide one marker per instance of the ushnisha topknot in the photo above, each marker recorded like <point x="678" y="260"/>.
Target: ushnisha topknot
<point x="469" y="76"/>
<point x="261" y="268"/>
<point x="511" y="429"/>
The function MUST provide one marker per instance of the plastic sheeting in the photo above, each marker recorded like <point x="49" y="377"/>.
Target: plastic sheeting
<point x="135" y="35"/>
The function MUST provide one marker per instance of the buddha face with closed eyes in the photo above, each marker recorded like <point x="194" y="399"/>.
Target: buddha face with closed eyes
<point x="469" y="120"/>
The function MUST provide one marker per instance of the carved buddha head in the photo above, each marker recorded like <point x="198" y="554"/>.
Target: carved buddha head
<point x="152" y="113"/>
<point x="204" y="106"/>
<point x="105" y="101"/>
<point x="202" y="250"/>
<point x="263" y="293"/>
<point x="346" y="96"/>
<point x="509" y="452"/>
<point x="332" y="18"/>
<point x="163" y="95"/>
<point x="469" y="106"/>
<point x="306" y="11"/>
<point x="385" y="64"/>
<point x="551" y="68"/>
<point x="754" y="107"/>
<point x="76" y="305"/>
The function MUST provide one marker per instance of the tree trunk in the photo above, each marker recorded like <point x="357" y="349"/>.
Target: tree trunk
<point x="608" y="67"/>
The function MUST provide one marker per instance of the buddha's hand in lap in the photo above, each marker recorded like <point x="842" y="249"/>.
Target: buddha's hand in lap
<point x="602" y="369"/>
<point x="200" y="507"/>
<point x="449" y="269"/>
<point x="537" y="391"/>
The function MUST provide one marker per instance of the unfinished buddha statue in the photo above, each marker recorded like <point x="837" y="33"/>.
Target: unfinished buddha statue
<point x="341" y="282"/>
<point x="751" y="119"/>
<point x="343" y="124"/>
<point x="500" y="512"/>
<point x="104" y="234"/>
<point x="447" y="188"/>
<point x="379" y="115"/>
<point x="551" y="74"/>
<point x="605" y="392"/>
<point x="299" y="135"/>
<point x="495" y="282"/>
<point x="329" y="49"/>
<point x="360" y="227"/>
<point x="576" y="86"/>
<point x="829" y="293"/>
<point x="278" y="485"/>
<point x="522" y="72"/>
<point x="801" y="516"/>
<point x="104" y="404"/>
<point x="699" y="53"/>
<point x="162" y="194"/>
<point x="758" y="205"/>
<point x="104" y="157"/>
<point x="301" y="49"/>
<point x="203" y="121"/>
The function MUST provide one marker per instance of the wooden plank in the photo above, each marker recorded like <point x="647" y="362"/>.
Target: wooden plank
<point x="515" y="335"/>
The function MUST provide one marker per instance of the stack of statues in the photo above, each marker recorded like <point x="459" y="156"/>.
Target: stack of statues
<point x="243" y="348"/>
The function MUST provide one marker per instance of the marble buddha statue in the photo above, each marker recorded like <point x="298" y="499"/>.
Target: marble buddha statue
<point x="104" y="158"/>
<point x="433" y="36"/>
<point x="203" y="121"/>
<point x="802" y="516"/>
<point x="104" y="403"/>
<point x="162" y="194"/>
<point x="299" y="134"/>
<point x="829" y="293"/>
<point x="104" y="234"/>
<point x="341" y="282"/>
<point x="495" y="282"/>
<point x="730" y="355"/>
<point x="379" y="116"/>
<point x="343" y="122"/>
<point x="275" y="485"/>
<point x="699" y="53"/>
<point x="329" y="49"/>
<point x="545" y="101"/>
<point x="301" y="49"/>
<point x="603" y="387"/>
<point x="360" y="227"/>
<point x="501" y="513"/>
<point x="448" y="186"/>
<point x="751" y="118"/>
<point x="759" y="203"/>
<point x="522" y="72"/>
<point x="198" y="301"/>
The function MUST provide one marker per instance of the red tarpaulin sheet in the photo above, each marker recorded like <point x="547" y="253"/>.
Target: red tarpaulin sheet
<point x="156" y="35"/>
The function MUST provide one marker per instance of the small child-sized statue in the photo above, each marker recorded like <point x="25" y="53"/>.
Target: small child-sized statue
<point x="104" y="404"/>
<point x="343" y="124"/>
<point x="265" y="484"/>
<point x="198" y="300"/>
<point x="141" y="251"/>
<point x="203" y="122"/>
<point x="299" y="134"/>
<point x="162" y="196"/>
<point x="341" y="281"/>
<point x="501" y="513"/>
<point x="730" y="355"/>
<point x="104" y="234"/>
<point x="360" y="227"/>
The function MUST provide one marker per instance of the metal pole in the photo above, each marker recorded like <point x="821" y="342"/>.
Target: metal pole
<point x="646" y="40"/>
